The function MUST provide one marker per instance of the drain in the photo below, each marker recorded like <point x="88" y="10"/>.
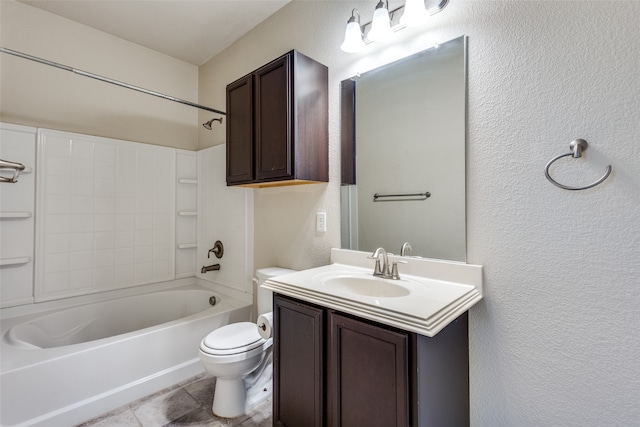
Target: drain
<point x="213" y="300"/>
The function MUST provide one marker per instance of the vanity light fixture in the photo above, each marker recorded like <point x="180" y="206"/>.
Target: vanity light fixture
<point x="381" y="24"/>
<point x="353" y="41"/>
<point x="384" y="24"/>
<point x="414" y="14"/>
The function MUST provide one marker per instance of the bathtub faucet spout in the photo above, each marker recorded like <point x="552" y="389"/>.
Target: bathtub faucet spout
<point x="212" y="267"/>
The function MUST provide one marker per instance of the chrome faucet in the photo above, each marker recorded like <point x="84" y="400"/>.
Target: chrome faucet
<point x="406" y="247"/>
<point x="383" y="270"/>
<point x="213" y="267"/>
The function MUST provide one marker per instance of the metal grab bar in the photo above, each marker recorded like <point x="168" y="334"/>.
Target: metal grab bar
<point x="401" y="197"/>
<point x="577" y="146"/>
<point x="17" y="168"/>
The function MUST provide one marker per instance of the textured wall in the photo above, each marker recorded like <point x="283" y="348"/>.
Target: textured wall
<point x="39" y="95"/>
<point x="555" y="342"/>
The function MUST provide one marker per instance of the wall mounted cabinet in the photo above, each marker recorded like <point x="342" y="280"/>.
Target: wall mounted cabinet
<point x="277" y="124"/>
<point x="335" y="369"/>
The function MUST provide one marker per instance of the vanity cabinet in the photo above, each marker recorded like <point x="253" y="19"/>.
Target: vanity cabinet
<point x="335" y="369"/>
<point x="298" y="364"/>
<point x="277" y="124"/>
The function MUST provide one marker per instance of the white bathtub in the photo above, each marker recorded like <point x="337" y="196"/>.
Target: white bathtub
<point x="65" y="366"/>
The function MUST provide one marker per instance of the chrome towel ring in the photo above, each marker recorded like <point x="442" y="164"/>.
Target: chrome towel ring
<point x="577" y="146"/>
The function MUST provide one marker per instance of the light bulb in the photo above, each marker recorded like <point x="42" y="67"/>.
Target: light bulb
<point x="381" y="24"/>
<point x="352" y="37"/>
<point x="414" y="13"/>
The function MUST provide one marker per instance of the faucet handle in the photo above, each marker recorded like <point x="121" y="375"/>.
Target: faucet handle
<point x="394" y="270"/>
<point x="218" y="250"/>
<point x="377" y="271"/>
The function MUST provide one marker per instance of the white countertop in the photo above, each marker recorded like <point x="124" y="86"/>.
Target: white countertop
<point x="437" y="292"/>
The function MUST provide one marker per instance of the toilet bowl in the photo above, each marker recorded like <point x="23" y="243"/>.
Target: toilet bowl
<point x="240" y="359"/>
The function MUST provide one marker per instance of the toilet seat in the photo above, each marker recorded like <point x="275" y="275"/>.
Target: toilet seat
<point x="231" y="339"/>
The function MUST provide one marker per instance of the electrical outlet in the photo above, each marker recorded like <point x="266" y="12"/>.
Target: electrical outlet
<point x="321" y="222"/>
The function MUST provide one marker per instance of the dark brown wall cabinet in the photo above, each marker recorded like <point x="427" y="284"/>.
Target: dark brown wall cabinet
<point x="277" y="124"/>
<point x="334" y="369"/>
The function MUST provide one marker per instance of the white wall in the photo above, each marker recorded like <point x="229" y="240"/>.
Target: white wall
<point x="225" y="214"/>
<point x="42" y="96"/>
<point x="555" y="342"/>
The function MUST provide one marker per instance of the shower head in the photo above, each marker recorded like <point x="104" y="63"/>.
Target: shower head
<point x="207" y="125"/>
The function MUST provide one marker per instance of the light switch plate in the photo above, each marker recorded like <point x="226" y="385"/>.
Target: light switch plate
<point x="321" y="222"/>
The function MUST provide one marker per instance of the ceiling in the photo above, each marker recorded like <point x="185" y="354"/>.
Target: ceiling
<point x="190" y="30"/>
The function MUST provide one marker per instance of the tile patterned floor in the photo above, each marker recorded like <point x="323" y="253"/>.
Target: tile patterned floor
<point x="184" y="404"/>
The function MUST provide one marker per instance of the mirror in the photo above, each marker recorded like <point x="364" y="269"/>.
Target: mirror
<point x="403" y="155"/>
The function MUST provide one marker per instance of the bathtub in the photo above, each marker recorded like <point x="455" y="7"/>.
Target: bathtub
<point x="64" y="366"/>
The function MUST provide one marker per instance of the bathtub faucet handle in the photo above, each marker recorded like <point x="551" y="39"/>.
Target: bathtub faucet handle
<point x="218" y="250"/>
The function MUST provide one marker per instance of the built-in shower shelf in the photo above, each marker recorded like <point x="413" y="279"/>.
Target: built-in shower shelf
<point x="187" y="245"/>
<point x="187" y="213"/>
<point x="187" y="181"/>
<point x="5" y="262"/>
<point x="14" y="215"/>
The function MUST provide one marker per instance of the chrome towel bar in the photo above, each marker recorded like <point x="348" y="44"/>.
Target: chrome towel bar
<point x="17" y="168"/>
<point x="577" y="146"/>
<point x="401" y="197"/>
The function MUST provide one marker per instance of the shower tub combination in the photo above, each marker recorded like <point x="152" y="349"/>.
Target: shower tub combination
<point x="64" y="366"/>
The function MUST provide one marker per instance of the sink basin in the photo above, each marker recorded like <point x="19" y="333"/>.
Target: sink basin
<point x="367" y="286"/>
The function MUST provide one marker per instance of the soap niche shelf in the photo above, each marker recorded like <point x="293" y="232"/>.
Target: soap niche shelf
<point x="15" y="215"/>
<point x="187" y="181"/>
<point x="186" y="213"/>
<point x="187" y="246"/>
<point x="6" y="262"/>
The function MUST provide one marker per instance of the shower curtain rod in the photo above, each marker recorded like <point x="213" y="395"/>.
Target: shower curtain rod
<point x="108" y="80"/>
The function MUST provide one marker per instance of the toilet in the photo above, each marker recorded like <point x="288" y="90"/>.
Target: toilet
<point x="240" y="358"/>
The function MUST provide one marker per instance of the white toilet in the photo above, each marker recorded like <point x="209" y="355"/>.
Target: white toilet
<point x="240" y="358"/>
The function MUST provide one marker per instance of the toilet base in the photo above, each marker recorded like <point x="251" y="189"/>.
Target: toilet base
<point x="259" y="384"/>
<point x="229" y="398"/>
<point x="234" y="397"/>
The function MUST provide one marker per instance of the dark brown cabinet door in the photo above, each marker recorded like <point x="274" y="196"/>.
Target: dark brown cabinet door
<point x="277" y="124"/>
<point x="298" y="364"/>
<point x="273" y="120"/>
<point x="240" y="131"/>
<point x="368" y="374"/>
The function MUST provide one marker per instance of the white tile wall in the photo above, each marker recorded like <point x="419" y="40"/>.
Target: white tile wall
<point x="105" y="214"/>
<point x="17" y="200"/>
<point x="225" y="214"/>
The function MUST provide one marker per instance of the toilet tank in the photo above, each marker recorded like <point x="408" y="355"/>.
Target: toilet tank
<point x="265" y="296"/>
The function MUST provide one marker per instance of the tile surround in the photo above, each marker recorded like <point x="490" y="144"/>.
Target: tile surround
<point x="18" y="144"/>
<point x="102" y="204"/>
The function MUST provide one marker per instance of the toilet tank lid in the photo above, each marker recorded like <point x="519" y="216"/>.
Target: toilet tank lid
<point x="266" y="273"/>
